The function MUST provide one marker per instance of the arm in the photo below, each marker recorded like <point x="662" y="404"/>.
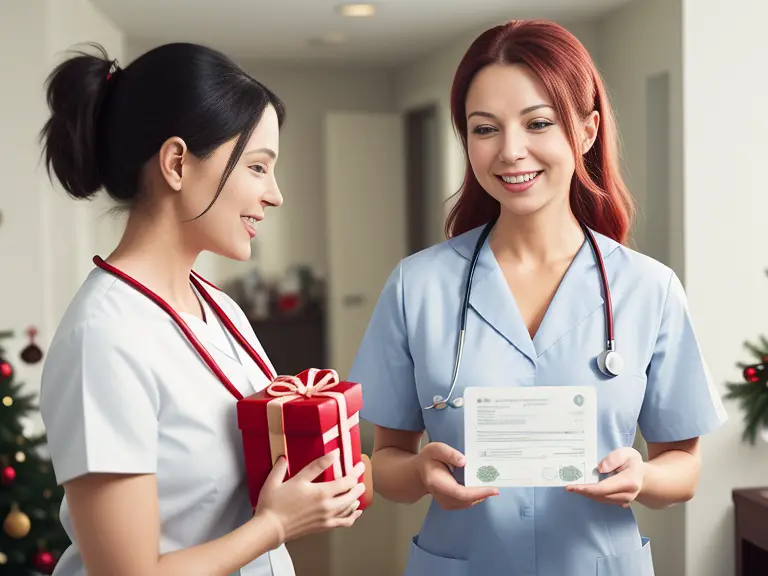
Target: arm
<point x="117" y="522"/>
<point x="671" y="473"/>
<point x="404" y="474"/>
<point x="395" y="465"/>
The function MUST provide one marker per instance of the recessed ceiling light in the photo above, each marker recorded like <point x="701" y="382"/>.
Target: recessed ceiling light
<point x="358" y="10"/>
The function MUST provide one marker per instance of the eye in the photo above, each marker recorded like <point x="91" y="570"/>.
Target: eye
<point x="258" y="168"/>
<point x="483" y="130"/>
<point x="539" y="125"/>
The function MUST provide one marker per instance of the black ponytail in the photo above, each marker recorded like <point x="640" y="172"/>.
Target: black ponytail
<point x="106" y="122"/>
<point x="75" y="91"/>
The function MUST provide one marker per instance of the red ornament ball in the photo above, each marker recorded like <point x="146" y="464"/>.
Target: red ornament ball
<point x="6" y="370"/>
<point x="44" y="562"/>
<point x="8" y="475"/>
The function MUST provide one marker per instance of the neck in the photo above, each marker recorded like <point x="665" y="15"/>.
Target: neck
<point x="537" y="239"/>
<point x="153" y="251"/>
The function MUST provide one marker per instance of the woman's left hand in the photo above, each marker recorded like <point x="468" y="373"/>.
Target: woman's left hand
<point x="621" y="488"/>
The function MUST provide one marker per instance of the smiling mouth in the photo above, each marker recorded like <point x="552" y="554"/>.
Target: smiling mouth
<point x="250" y="224"/>
<point x="519" y="178"/>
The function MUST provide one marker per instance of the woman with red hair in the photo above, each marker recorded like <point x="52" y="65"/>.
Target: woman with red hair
<point x="523" y="297"/>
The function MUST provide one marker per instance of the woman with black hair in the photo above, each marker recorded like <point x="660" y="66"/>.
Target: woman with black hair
<point x="142" y="433"/>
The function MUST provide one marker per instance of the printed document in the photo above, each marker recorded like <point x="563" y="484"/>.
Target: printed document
<point x="530" y="436"/>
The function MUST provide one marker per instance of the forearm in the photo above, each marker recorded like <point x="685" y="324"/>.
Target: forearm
<point x="396" y="475"/>
<point x="670" y="478"/>
<point x="225" y="555"/>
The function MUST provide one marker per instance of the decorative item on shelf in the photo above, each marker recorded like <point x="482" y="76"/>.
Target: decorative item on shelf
<point x="255" y="295"/>
<point x="752" y="394"/>
<point x="289" y="292"/>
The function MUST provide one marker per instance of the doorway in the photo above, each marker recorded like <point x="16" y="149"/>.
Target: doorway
<point x="424" y="204"/>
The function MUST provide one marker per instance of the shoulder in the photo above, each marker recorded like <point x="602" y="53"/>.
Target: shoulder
<point x="442" y="261"/>
<point x="104" y="347"/>
<point x="106" y="312"/>
<point x="642" y="274"/>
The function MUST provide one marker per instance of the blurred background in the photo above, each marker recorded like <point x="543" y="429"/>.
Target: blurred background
<point x="368" y="165"/>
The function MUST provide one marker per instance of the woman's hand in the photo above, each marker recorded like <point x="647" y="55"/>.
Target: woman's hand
<point x="435" y="462"/>
<point x="621" y="488"/>
<point x="299" y="506"/>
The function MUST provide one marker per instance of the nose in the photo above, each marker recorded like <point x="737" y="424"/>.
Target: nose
<point x="514" y="146"/>
<point x="272" y="196"/>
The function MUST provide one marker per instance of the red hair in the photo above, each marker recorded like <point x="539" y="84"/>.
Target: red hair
<point x="598" y="195"/>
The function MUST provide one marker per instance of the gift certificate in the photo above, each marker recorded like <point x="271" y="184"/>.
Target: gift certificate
<point x="529" y="436"/>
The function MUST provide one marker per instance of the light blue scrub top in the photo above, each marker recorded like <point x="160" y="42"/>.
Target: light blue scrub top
<point x="407" y="357"/>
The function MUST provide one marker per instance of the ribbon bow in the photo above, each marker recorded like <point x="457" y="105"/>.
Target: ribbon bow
<point x="293" y="386"/>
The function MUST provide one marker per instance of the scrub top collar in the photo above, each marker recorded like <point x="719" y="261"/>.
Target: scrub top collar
<point x="577" y="297"/>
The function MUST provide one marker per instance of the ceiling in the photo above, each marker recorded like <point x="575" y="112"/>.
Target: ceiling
<point x="290" y="29"/>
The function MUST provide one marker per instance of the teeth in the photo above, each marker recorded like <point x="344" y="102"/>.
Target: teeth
<point x="519" y="179"/>
<point x="250" y="219"/>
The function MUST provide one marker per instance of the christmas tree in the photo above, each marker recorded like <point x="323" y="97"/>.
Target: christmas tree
<point x="752" y="395"/>
<point x="32" y="538"/>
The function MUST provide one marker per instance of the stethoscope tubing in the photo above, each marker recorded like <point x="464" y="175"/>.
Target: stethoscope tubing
<point x="197" y="345"/>
<point x="438" y="401"/>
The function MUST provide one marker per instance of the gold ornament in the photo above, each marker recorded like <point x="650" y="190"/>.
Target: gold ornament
<point x="3" y="559"/>
<point x="8" y="401"/>
<point x="17" y="524"/>
<point x="20" y="456"/>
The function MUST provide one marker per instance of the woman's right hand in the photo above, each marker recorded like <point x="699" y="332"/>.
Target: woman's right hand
<point x="299" y="506"/>
<point x="435" y="463"/>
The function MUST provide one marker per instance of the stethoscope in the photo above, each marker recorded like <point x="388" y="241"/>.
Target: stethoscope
<point x="196" y="344"/>
<point x="609" y="361"/>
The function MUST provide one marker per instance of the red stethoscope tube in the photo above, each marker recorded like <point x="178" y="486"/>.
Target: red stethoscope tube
<point x="204" y="354"/>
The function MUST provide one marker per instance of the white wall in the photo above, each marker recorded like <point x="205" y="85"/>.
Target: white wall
<point x="724" y="84"/>
<point x="428" y="82"/>
<point x="626" y="55"/>
<point x="46" y="240"/>
<point x="22" y="245"/>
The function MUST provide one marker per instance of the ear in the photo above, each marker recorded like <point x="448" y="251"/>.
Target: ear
<point x="589" y="131"/>
<point x="172" y="155"/>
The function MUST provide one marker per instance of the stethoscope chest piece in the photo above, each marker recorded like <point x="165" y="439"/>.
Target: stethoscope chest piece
<point x="440" y="403"/>
<point x="610" y="363"/>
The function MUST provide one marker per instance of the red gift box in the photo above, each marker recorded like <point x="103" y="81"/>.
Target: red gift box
<point x="302" y="418"/>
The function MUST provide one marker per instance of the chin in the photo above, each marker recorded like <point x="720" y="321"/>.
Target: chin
<point x="522" y="206"/>
<point x="239" y="253"/>
<point x="242" y="254"/>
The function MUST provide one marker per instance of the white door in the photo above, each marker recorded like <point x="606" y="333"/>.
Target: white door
<point x="366" y="221"/>
<point x="366" y="232"/>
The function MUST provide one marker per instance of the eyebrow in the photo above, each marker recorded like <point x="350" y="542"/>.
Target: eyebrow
<point x="268" y="151"/>
<point x="522" y="112"/>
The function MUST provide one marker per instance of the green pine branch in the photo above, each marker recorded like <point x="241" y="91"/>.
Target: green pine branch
<point x="759" y="352"/>
<point x="751" y="397"/>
